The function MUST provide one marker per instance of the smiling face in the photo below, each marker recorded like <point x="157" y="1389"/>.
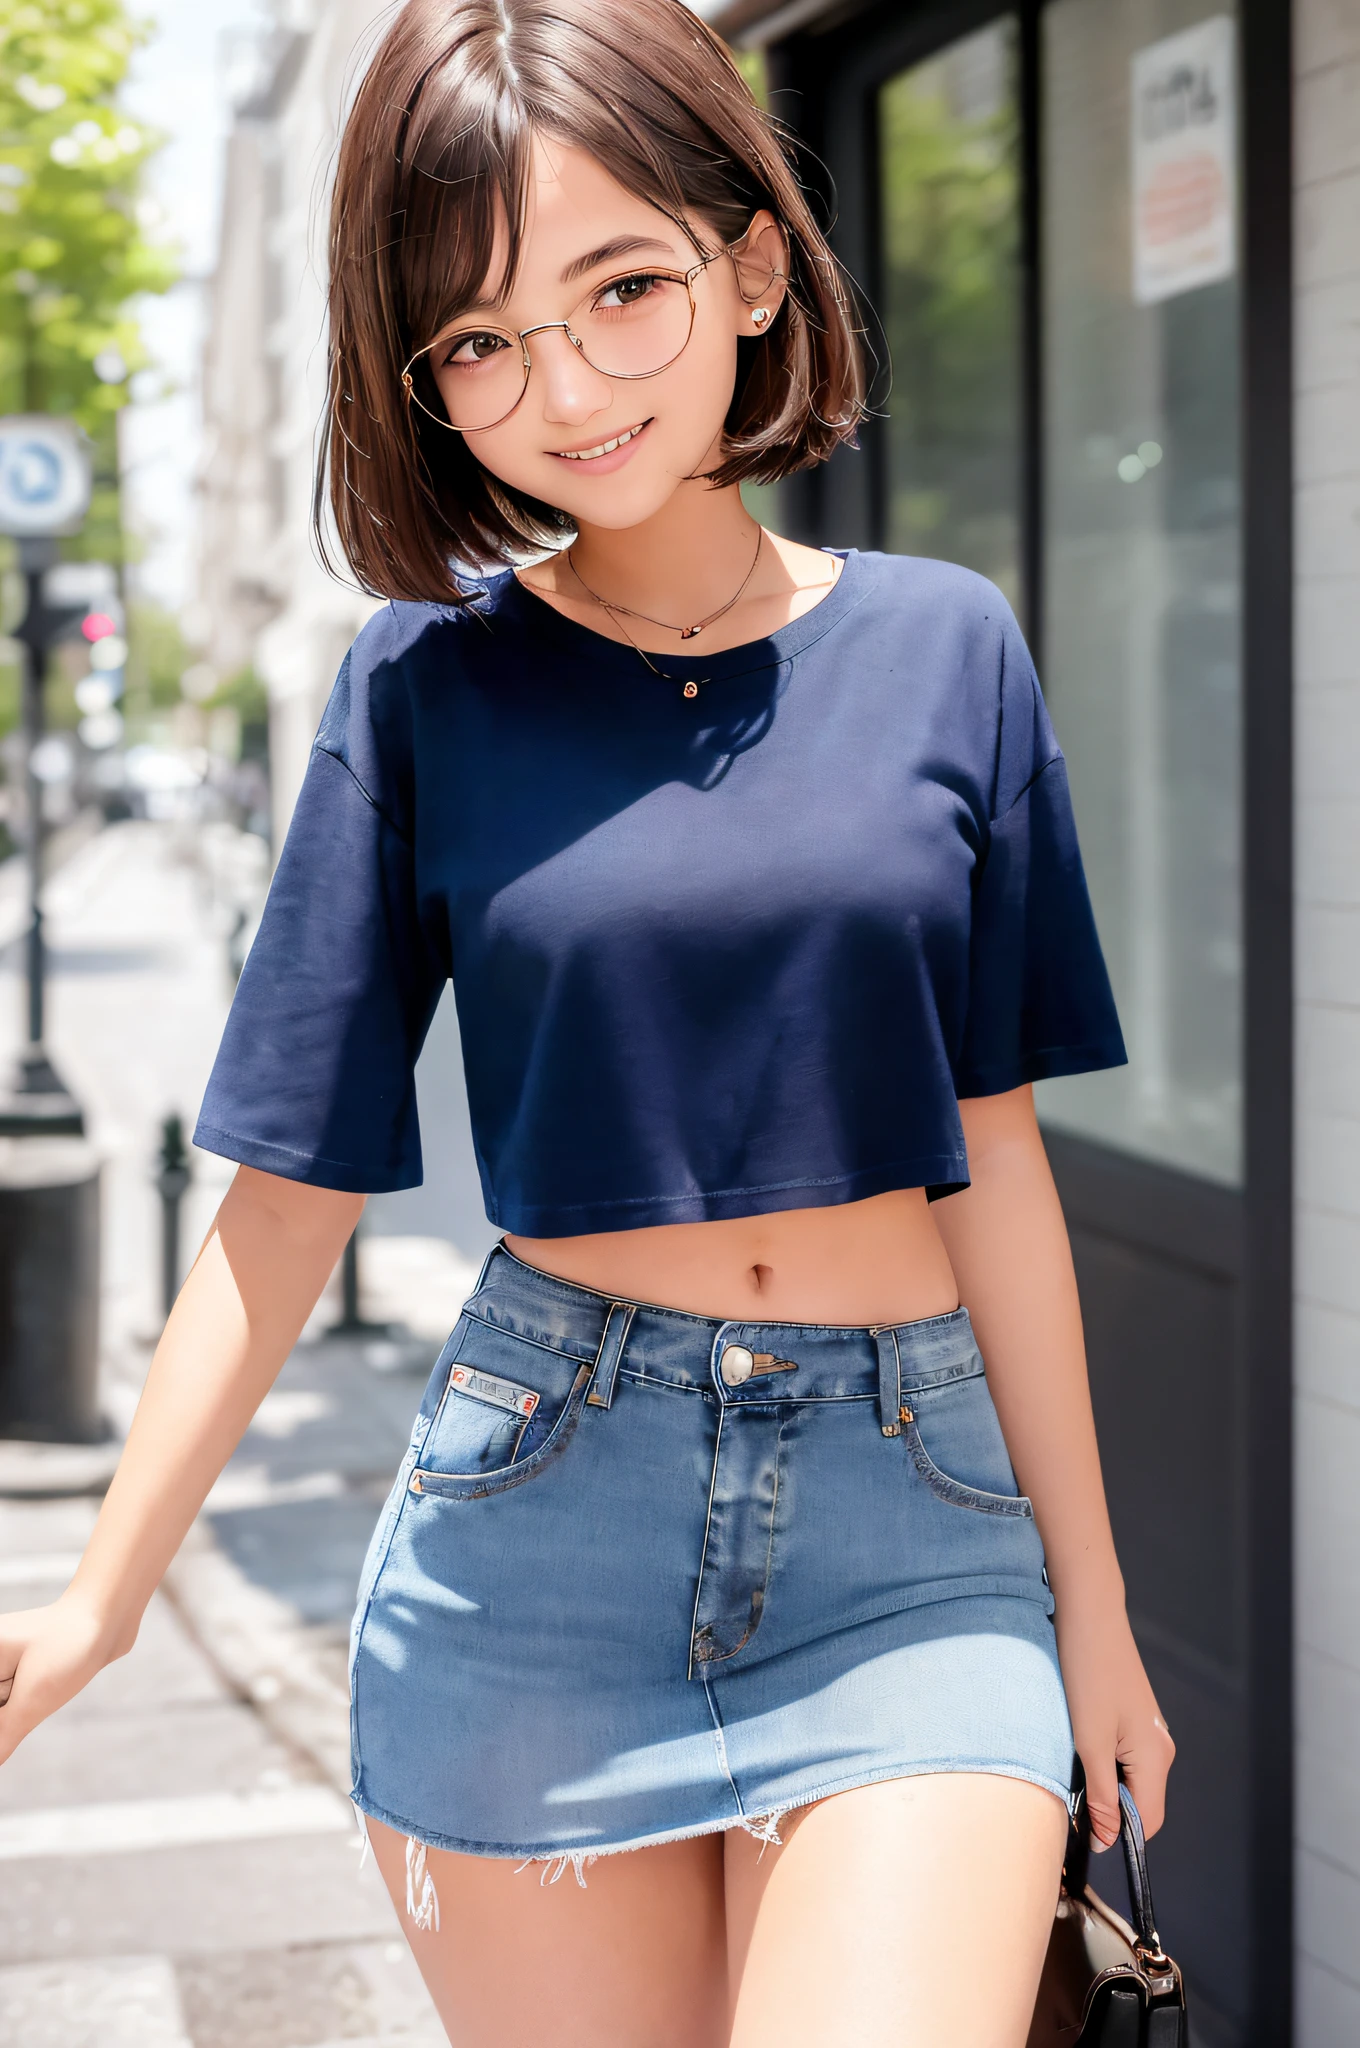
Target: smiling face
<point x="608" y="450"/>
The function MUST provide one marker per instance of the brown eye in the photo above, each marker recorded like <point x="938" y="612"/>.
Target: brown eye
<point x="470" y="349"/>
<point x="628" y="291"/>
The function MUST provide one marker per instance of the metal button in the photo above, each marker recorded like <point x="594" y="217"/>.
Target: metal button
<point x="736" y="1364"/>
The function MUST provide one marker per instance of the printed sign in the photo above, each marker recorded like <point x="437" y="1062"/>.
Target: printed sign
<point x="44" y="475"/>
<point x="1184" y="162"/>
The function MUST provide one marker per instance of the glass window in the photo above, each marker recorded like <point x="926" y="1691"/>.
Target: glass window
<point x="1142" y="596"/>
<point x="949" y="297"/>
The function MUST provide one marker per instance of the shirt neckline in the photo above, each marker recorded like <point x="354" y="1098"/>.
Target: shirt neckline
<point x="510" y="596"/>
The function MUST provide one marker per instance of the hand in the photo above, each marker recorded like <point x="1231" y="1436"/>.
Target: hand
<point x="1115" y="1720"/>
<point x="47" y="1654"/>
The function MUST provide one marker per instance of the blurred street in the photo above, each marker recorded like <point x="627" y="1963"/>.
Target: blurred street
<point x="181" y="1864"/>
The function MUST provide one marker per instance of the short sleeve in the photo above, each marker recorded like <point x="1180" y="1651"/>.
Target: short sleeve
<point x="314" y="1079"/>
<point x="1039" y="998"/>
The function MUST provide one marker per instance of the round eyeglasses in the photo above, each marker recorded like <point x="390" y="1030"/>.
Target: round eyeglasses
<point x="635" y="325"/>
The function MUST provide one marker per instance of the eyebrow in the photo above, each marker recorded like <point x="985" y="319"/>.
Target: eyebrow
<point x="622" y="245"/>
<point x="608" y="252"/>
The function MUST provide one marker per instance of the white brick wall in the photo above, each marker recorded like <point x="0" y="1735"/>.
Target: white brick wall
<point x="1327" y="798"/>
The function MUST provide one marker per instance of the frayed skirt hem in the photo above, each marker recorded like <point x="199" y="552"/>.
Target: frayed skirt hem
<point x="557" y="1857"/>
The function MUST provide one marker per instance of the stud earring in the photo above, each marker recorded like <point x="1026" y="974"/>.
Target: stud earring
<point x="761" y="316"/>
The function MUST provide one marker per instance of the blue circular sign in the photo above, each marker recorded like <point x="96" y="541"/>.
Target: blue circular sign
<point x="44" y="475"/>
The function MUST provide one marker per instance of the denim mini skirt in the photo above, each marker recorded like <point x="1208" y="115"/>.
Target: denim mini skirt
<point x="645" y="1575"/>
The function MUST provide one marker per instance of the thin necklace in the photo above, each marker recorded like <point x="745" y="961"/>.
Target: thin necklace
<point x="690" y="688"/>
<point x="685" y="632"/>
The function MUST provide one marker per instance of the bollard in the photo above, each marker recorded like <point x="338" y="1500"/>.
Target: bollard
<point x="173" y="1181"/>
<point x="350" y="1318"/>
<point x="353" y="1322"/>
<point x="385" y="1347"/>
<point x="49" y="1290"/>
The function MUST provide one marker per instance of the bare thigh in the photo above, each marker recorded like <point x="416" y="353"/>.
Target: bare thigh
<point x="635" y="1959"/>
<point x="911" y="1914"/>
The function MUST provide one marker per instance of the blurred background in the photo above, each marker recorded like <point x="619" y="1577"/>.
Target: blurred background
<point x="1111" y="254"/>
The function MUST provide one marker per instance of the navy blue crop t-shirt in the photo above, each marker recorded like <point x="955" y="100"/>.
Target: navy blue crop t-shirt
<point x="711" y="956"/>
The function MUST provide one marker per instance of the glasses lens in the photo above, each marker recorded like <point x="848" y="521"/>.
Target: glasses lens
<point x="635" y="325"/>
<point x="479" y="374"/>
<point x="632" y="326"/>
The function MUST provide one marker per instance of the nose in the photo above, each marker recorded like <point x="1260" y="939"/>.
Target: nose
<point x="571" y="390"/>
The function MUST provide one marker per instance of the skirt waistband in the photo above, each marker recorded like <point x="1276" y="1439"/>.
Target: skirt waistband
<point x="734" y="1361"/>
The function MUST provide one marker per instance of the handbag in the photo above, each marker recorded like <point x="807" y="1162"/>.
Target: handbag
<point x="1106" y="1984"/>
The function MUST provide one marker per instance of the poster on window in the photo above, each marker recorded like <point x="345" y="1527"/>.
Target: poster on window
<point x="1184" y="162"/>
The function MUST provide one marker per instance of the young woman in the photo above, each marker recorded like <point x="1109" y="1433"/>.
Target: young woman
<point x="754" y="870"/>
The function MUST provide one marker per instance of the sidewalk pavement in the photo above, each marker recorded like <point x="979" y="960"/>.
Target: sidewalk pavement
<point x="182" y="1867"/>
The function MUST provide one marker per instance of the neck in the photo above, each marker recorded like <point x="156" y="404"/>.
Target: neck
<point x="684" y="561"/>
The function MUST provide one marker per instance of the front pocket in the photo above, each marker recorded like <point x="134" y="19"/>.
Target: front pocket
<point x="953" y="1437"/>
<point x="481" y="1420"/>
<point x="509" y="1406"/>
<point x="477" y="1485"/>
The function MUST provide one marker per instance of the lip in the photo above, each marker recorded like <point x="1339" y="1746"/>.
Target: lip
<point x="603" y="465"/>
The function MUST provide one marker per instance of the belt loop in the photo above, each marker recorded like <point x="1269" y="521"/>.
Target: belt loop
<point x="480" y="1281"/>
<point x="615" y="1335"/>
<point x="889" y="1381"/>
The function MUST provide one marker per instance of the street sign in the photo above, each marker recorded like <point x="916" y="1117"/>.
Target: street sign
<point x="44" y="475"/>
<point x="79" y="586"/>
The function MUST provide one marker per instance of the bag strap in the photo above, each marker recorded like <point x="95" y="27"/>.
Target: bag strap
<point x="1140" y="1890"/>
<point x="1077" y="1865"/>
<point x="1077" y="1861"/>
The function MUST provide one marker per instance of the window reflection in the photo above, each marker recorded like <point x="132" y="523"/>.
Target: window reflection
<point x="1142" y="595"/>
<point x="949" y="299"/>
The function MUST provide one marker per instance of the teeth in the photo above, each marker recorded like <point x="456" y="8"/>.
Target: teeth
<point x="605" y="447"/>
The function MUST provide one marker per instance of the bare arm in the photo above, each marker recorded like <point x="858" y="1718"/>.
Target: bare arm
<point x="1007" y="1243"/>
<point x="240" y="1312"/>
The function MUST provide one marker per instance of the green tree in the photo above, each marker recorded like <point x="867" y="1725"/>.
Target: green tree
<point x="157" y="658"/>
<point x="72" y="251"/>
<point x="246" y="695"/>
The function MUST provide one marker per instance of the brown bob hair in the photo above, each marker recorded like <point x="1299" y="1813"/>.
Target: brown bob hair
<point x="436" y="152"/>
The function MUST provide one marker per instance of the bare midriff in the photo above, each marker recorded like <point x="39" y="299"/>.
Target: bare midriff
<point x="876" y="1261"/>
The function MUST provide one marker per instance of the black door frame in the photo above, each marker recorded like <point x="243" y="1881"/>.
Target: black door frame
<point x="1268" y="933"/>
<point x="821" y="80"/>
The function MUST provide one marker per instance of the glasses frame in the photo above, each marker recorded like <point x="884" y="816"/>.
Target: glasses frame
<point x="522" y="334"/>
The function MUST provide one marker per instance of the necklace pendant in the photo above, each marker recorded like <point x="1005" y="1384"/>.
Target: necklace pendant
<point x="691" y="689"/>
<point x="690" y="632"/>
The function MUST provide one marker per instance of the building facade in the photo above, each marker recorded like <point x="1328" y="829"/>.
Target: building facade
<point x="265" y="599"/>
<point x="1112" y="252"/>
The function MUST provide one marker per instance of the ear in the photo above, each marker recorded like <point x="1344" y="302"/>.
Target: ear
<point x="761" y="261"/>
